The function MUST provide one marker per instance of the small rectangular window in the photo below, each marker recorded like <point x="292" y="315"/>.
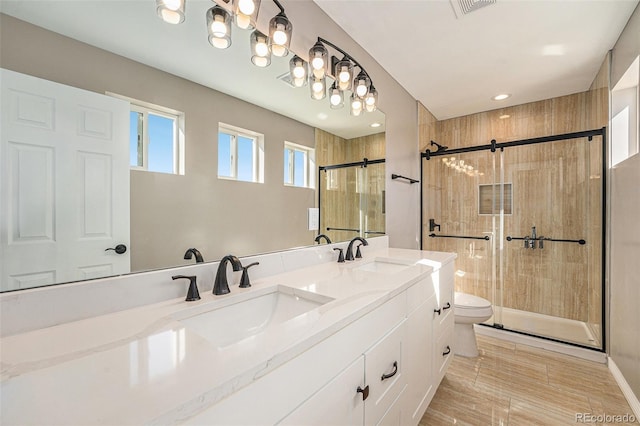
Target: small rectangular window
<point x="156" y="137"/>
<point x="240" y="154"/>
<point x="299" y="165"/>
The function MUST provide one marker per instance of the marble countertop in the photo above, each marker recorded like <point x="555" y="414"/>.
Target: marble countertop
<point x="144" y="365"/>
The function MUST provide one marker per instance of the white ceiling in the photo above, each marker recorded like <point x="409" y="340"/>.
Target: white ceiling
<point x="453" y="66"/>
<point x="532" y="49"/>
<point x="133" y="30"/>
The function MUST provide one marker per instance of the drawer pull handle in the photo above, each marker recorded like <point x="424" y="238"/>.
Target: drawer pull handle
<point x="438" y="311"/>
<point x="447" y="306"/>
<point x="393" y="373"/>
<point x="447" y="351"/>
<point x="364" y="392"/>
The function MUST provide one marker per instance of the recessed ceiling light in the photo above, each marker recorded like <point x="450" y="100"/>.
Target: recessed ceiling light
<point x="322" y="116"/>
<point x="376" y="124"/>
<point x="503" y="116"/>
<point x="501" y="97"/>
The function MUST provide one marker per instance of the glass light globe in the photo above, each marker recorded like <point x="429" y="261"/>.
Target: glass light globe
<point x="247" y="7"/>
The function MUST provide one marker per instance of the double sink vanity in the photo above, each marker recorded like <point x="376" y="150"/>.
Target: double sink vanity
<point x="361" y="342"/>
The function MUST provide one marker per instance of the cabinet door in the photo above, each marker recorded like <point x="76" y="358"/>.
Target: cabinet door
<point x="384" y="373"/>
<point x="337" y="403"/>
<point x="418" y="368"/>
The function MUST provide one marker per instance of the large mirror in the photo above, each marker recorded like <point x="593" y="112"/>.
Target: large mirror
<point x="220" y="109"/>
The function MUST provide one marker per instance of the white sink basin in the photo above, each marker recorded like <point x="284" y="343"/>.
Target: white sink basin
<point x="384" y="265"/>
<point x="234" y="320"/>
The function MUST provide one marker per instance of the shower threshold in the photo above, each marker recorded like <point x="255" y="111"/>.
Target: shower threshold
<point x="546" y="326"/>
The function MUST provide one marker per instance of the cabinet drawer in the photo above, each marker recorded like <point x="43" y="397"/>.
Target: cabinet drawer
<point x="384" y="373"/>
<point x="419" y="293"/>
<point x="443" y="353"/>
<point x="444" y="311"/>
<point x="393" y="416"/>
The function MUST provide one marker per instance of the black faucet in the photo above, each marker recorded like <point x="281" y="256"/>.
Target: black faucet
<point x="244" y="280"/>
<point x="192" y="293"/>
<point x="190" y="252"/>
<point x="221" y="285"/>
<point x="340" y="256"/>
<point x="349" y="255"/>
<point x="321" y="236"/>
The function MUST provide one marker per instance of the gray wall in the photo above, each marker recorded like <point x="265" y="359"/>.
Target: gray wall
<point x="624" y="237"/>
<point x="170" y="213"/>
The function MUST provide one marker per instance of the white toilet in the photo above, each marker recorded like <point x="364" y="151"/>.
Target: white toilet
<point x="469" y="310"/>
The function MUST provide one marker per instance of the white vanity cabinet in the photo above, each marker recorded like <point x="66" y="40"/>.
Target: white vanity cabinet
<point x="363" y="392"/>
<point x="443" y="324"/>
<point x="429" y="340"/>
<point x="381" y="369"/>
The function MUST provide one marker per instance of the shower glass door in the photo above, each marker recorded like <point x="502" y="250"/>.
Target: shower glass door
<point x="549" y="261"/>
<point x="461" y="214"/>
<point x="540" y="208"/>
<point x="352" y="202"/>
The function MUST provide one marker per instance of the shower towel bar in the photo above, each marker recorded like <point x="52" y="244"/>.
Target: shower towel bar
<point x="486" y="237"/>
<point x="375" y="232"/>
<point x="581" y="242"/>
<point x="395" y="176"/>
<point x="342" y="229"/>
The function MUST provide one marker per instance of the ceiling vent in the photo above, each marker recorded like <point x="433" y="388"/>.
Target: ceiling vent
<point x="463" y="7"/>
<point x="286" y="79"/>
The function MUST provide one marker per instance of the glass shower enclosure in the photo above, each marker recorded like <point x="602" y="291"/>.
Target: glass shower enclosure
<point x="351" y="200"/>
<point x="526" y="220"/>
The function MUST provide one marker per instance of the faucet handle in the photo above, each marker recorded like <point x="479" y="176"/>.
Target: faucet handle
<point x="192" y="293"/>
<point x="358" y="253"/>
<point x="244" y="280"/>
<point x="341" y="255"/>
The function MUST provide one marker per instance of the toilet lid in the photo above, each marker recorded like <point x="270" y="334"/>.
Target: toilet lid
<point x="469" y="301"/>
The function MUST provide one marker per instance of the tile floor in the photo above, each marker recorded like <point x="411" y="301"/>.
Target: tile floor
<point x="513" y="384"/>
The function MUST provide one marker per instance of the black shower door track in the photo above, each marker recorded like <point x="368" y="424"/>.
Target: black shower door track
<point x="493" y="146"/>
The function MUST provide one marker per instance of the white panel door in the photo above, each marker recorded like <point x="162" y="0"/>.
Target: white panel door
<point x="64" y="184"/>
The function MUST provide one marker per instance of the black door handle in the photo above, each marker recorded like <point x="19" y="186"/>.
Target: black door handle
<point x="393" y="373"/>
<point x="120" y="249"/>
<point x="364" y="392"/>
<point x="447" y="306"/>
<point x="447" y="351"/>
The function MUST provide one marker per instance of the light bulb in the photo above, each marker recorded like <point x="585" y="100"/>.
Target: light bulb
<point x="262" y="49"/>
<point x="317" y="86"/>
<point x="361" y="90"/>
<point x="356" y="104"/>
<point x="220" y="43"/>
<point x="279" y="35"/>
<point x="243" y="21"/>
<point x="344" y="76"/>
<point x="247" y="7"/>
<point x="170" y="16"/>
<point x="260" y="61"/>
<point x="335" y="99"/>
<point x="370" y="100"/>
<point x="299" y="82"/>
<point x="317" y="63"/>
<point x="172" y="4"/>
<point x="218" y="28"/>
<point x="298" y="71"/>
<point x="278" y="50"/>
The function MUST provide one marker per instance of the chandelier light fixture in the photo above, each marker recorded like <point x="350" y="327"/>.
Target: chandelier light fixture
<point x="364" y="96"/>
<point x="357" y="88"/>
<point x="280" y="30"/>
<point x="260" y="52"/>
<point x="170" y="11"/>
<point x="298" y="70"/>
<point x="219" y="27"/>
<point x="245" y="13"/>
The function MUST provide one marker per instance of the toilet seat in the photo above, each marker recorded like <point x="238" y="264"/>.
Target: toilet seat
<point x="469" y="301"/>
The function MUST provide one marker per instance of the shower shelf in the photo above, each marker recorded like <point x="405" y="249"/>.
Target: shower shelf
<point x="486" y="237"/>
<point x="581" y="242"/>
